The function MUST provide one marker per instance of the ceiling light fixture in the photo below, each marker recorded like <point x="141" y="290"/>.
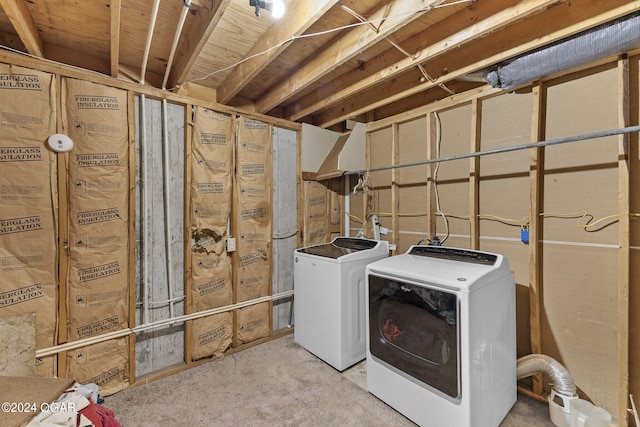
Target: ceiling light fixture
<point x="276" y="7"/>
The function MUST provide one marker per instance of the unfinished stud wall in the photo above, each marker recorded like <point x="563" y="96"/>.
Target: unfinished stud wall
<point x="211" y="194"/>
<point x="316" y="213"/>
<point x="634" y="202"/>
<point x="580" y="265"/>
<point x="379" y="197"/>
<point x="125" y="238"/>
<point x="252" y="221"/>
<point x="28" y="194"/>
<point x="97" y="177"/>
<point x="572" y="275"/>
<point x="503" y="191"/>
<point x="411" y="182"/>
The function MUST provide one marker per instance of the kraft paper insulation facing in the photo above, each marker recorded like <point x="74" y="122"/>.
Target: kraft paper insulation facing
<point x="212" y="154"/>
<point x="316" y="224"/>
<point x="105" y="364"/>
<point x="253" y="322"/>
<point x="18" y="338"/>
<point x="95" y="117"/>
<point x="28" y="250"/>
<point x="253" y="219"/>
<point x="212" y="335"/>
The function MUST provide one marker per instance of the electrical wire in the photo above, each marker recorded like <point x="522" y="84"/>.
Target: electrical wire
<point x="364" y="21"/>
<point x="354" y="217"/>
<point x="524" y="222"/>
<point x="360" y="232"/>
<point x="585" y="219"/>
<point x="285" y="236"/>
<point x="402" y="215"/>
<point x="368" y="22"/>
<point x="435" y="176"/>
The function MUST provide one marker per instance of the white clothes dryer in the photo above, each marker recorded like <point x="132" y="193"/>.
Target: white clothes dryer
<point x="441" y="341"/>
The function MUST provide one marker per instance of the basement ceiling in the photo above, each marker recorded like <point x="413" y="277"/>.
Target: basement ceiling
<point x="322" y="63"/>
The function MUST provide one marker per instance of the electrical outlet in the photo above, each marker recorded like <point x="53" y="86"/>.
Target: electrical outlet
<point x="231" y="244"/>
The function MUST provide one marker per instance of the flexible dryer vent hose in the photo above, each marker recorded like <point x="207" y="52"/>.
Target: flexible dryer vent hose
<point x="561" y="380"/>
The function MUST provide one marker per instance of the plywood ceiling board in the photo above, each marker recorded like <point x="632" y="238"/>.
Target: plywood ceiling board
<point x="20" y="17"/>
<point x="74" y="25"/>
<point x="231" y="40"/>
<point x="134" y="28"/>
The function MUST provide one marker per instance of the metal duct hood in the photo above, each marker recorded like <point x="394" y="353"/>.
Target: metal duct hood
<point x="613" y="38"/>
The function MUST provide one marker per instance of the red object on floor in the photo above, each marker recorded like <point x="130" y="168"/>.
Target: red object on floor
<point x="92" y="414"/>
<point x="107" y="416"/>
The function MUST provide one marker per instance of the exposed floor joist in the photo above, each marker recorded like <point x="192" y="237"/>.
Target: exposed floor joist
<point x="351" y="45"/>
<point x="115" y="6"/>
<point x="480" y="29"/>
<point x="207" y="17"/>
<point x="304" y="14"/>
<point x="578" y="16"/>
<point x="22" y="21"/>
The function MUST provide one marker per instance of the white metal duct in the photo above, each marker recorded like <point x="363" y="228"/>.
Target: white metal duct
<point x="613" y="38"/>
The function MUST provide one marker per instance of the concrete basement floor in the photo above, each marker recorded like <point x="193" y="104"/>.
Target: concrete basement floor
<point x="527" y="412"/>
<point x="276" y="383"/>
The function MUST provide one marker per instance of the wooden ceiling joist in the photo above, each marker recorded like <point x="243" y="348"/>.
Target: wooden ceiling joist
<point x="115" y="6"/>
<point x="494" y="23"/>
<point x="356" y="40"/>
<point x="579" y="15"/>
<point x="303" y="14"/>
<point x="192" y="45"/>
<point x="23" y="22"/>
<point x="324" y="61"/>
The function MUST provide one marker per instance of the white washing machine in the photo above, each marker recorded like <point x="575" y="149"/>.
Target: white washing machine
<point x="329" y="298"/>
<point x="441" y="336"/>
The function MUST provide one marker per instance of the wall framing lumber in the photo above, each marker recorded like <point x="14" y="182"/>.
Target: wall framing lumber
<point x="431" y="206"/>
<point x="233" y="226"/>
<point x="624" y="236"/>
<point x="94" y="77"/>
<point x="299" y="192"/>
<point x="536" y="191"/>
<point x="63" y="236"/>
<point x="58" y="352"/>
<point x="395" y="186"/>
<point x="548" y="332"/>
<point x="132" y="244"/>
<point x="270" y="239"/>
<point x="474" y="173"/>
<point x="188" y="272"/>
<point x="442" y="105"/>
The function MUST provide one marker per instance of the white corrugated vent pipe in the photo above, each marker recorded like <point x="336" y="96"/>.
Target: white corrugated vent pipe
<point x="561" y="380"/>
